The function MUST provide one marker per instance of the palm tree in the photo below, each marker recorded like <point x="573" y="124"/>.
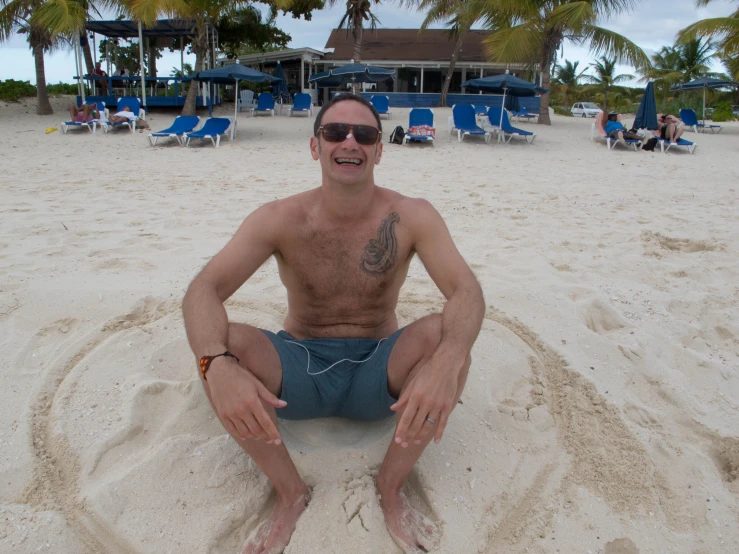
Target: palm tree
<point x="357" y="12"/>
<point x="664" y="70"/>
<point x="725" y="30"/>
<point x="535" y="29"/>
<point x="459" y="17"/>
<point x="694" y="55"/>
<point x="22" y="16"/>
<point x="568" y="78"/>
<point x="604" y="78"/>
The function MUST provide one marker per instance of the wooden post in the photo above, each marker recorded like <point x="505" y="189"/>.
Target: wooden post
<point x="141" y="66"/>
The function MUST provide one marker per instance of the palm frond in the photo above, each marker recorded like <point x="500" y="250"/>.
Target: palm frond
<point x="521" y="43"/>
<point x="60" y="16"/>
<point x="717" y="27"/>
<point x="612" y="44"/>
<point x="573" y="16"/>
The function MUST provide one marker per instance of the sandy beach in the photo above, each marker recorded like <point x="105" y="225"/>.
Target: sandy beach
<point x="601" y="413"/>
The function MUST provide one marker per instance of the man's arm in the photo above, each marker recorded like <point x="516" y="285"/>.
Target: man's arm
<point x="433" y="393"/>
<point x="205" y="317"/>
<point x="465" y="307"/>
<point x="237" y="395"/>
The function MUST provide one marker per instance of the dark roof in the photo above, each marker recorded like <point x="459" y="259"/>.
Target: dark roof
<point x="130" y="29"/>
<point x="407" y="44"/>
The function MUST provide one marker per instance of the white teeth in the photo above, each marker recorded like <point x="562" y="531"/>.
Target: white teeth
<point x="352" y="161"/>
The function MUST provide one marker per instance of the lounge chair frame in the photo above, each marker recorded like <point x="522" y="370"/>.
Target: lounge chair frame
<point x="255" y="110"/>
<point x="166" y="133"/>
<point x="215" y="138"/>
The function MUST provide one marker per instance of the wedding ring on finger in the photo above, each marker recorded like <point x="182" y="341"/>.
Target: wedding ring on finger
<point x="431" y="421"/>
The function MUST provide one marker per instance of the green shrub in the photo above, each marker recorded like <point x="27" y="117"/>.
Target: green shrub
<point x="561" y="111"/>
<point x="64" y="88"/>
<point x="12" y="90"/>
<point x="722" y="112"/>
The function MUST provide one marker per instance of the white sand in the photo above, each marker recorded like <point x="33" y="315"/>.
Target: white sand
<point x="602" y="402"/>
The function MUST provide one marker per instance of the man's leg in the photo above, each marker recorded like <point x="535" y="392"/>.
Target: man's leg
<point x="257" y="353"/>
<point x="407" y="526"/>
<point x="72" y="111"/>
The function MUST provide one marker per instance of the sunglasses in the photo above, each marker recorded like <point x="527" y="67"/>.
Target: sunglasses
<point x="366" y="135"/>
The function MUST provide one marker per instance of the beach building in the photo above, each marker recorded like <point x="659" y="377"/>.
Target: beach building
<point x="421" y="62"/>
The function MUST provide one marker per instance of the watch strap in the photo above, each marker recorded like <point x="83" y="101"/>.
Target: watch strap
<point x="205" y="362"/>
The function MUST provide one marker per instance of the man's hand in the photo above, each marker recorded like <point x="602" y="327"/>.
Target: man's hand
<point x="430" y="394"/>
<point x="237" y="396"/>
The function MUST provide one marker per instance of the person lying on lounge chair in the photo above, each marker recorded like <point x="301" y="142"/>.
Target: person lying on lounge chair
<point x="616" y="130"/>
<point x="670" y="127"/>
<point x="127" y="115"/>
<point x="85" y="114"/>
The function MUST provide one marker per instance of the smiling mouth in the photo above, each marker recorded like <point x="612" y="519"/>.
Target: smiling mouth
<point x="350" y="162"/>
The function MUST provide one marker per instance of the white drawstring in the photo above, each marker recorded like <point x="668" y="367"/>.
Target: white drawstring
<point x="307" y="369"/>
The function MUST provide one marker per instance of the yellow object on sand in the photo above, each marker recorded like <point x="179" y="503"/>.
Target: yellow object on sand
<point x="51" y="130"/>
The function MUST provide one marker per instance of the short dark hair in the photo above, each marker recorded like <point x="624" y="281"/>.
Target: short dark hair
<point x="343" y="97"/>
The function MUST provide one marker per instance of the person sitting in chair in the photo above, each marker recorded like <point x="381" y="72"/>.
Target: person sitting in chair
<point x="85" y="114"/>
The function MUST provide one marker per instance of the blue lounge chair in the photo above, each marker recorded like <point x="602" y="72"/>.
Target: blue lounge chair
<point x="418" y="117"/>
<point x="691" y="120"/>
<point x="213" y="129"/>
<point x="134" y="104"/>
<point x="382" y="105"/>
<point x="90" y="125"/>
<point x="463" y="116"/>
<point x="265" y="104"/>
<point x="302" y="103"/>
<point x="182" y="124"/>
<point x="597" y="130"/>
<point x="665" y="144"/>
<point x="524" y="113"/>
<point x="506" y="128"/>
<point x="480" y="109"/>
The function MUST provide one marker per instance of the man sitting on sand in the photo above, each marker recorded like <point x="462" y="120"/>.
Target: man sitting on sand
<point x="127" y="115"/>
<point x="343" y="251"/>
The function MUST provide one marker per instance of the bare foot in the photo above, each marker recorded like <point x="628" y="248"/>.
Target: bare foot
<point x="413" y="532"/>
<point x="273" y="535"/>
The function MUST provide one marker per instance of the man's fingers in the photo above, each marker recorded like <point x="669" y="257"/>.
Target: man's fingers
<point x="443" y="418"/>
<point x="255" y="427"/>
<point x="415" y="427"/>
<point x="242" y="430"/>
<point x="401" y="434"/>
<point x="270" y="398"/>
<point x="402" y="401"/>
<point x="267" y="425"/>
<point x="427" y="429"/>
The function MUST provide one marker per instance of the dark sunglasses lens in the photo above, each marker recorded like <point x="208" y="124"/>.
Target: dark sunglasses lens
<point x="366" y="135"/>
<point x="335" y="132"/>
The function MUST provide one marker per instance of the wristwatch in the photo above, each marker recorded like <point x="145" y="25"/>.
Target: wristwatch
<point x="206" y="360"/>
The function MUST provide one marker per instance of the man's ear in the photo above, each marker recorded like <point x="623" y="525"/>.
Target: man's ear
<point x="315" y="148"/>
<point x="378" y="153"/>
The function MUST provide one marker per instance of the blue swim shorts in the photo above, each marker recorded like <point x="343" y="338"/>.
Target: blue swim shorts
<point x="334" y="377"/>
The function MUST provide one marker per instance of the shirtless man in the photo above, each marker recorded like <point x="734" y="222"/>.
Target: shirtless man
<point x="343" y="252"/>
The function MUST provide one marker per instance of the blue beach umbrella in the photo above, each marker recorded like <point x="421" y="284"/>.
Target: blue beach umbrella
<point x="646" y="114"/>
<point x="705" y="83"/>
<point x="351" y="73"/>
<point x="229" y="74"/>
<point x="505" y="84"/>
<point x="280" y="87"/>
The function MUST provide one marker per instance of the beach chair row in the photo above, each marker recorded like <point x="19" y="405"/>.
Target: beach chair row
<point x="464" y="121"/>
<point x="183" y="130"/>
<point x="133" y="105"/>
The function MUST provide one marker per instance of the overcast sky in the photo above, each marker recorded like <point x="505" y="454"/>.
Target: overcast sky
<point x="651" y="26"/>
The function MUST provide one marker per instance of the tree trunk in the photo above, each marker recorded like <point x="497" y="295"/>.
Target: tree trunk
<point x="452" y="64"/>
<point x="605" y="99"/>
<point x="43" y="106"/>
<point x="152" y="61"/>
<point x="87" y="53"/>
<point x="358" y="32"/>
<point x="192" y="92"/>
<point x="547" y="56"/>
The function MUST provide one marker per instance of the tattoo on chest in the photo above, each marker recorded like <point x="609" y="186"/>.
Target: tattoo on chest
<point x="380" y="253"/>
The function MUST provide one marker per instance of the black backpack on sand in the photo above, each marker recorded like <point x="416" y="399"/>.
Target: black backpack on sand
<point x="396" y="137"/>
